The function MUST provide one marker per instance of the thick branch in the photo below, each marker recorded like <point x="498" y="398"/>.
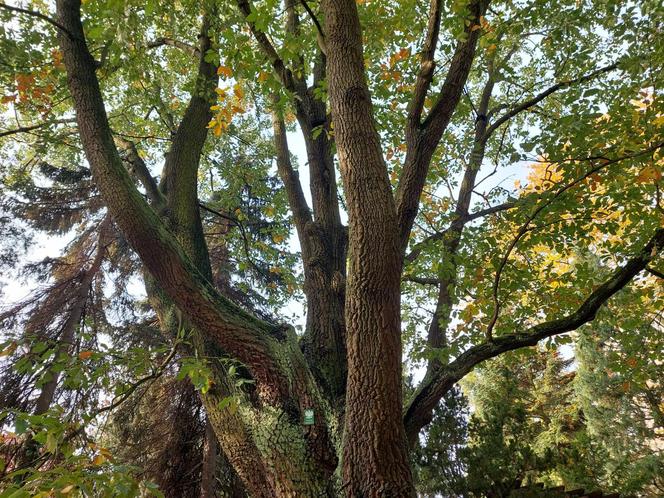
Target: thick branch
<point x="418" y="412"/>
<point x="141" y="171"/>
<point x="283" y="73"/>
<point x="422" y="139"/>
<point x="296" y="199"/>
<point x="427" y="64"/>
<point x="237" y="332"/>
<point x="180" y="177"/>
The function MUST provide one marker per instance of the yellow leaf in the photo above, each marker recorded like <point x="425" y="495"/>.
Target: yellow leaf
<point x="84" y="355"/>
<point x="67" y="489"/>
<point x="9" y="349"/>
<point x="224" y="71"/>
<point x="98" y="460"/>
<point x="237" y="90"/>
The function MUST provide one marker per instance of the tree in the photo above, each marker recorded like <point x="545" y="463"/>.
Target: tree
<point x="616" y="387"/>
<point x="462" y="88"/>
<point x="528" y="439"/>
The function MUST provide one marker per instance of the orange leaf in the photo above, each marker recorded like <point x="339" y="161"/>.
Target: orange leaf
<point x="84" y="355"/>
<point x="649" y="174"/>
<point x="224" y="71"/>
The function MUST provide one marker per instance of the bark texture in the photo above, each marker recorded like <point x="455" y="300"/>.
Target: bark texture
<point x="347" y="366"/>
<point x="375" y="457"/>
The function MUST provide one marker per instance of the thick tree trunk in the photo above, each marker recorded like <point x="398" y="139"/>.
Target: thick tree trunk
<point x="375" y="456"/>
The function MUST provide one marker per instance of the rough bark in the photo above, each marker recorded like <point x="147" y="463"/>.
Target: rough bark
<point x="263" y="438"/>
<point x="284" y="385"/>
<point x="324" y="340"/>
<point x="375" y="457"/>
<point x="322" y="242"/>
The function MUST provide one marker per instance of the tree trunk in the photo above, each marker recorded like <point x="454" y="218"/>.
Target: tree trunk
<point x="209" y="468"/>
<point x="375" y="455"/>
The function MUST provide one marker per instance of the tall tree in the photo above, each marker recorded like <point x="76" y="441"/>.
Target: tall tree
<point x="405" y="101"/>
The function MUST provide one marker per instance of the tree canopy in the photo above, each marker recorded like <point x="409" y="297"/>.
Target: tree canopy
<point x="433" y="184"/>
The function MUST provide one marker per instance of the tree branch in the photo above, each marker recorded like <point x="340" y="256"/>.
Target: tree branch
<point x="454" y="226"/>
<point x="38" y="15"/>
<point x="313" y="18"/>
<point x="421" y="280"/>
<point x="283" y="73"/>
<point x="142" y="172"/>
<point x="538" y="209"/>
<point x="423" y="138"/>
<point x="180" y="175"/>
<point x="656" y="273"/>
<point x="541" y="96"/>
<point x="427" y="65"/>
<point x="418" y="412"/>
<point x="29" y="128"/>
<point x="185" y="47"/>
<point x="296" y="199"/>
<point x="250" y="340"/>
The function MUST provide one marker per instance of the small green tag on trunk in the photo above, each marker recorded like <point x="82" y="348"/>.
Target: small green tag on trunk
<point x="308" y="417"/>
